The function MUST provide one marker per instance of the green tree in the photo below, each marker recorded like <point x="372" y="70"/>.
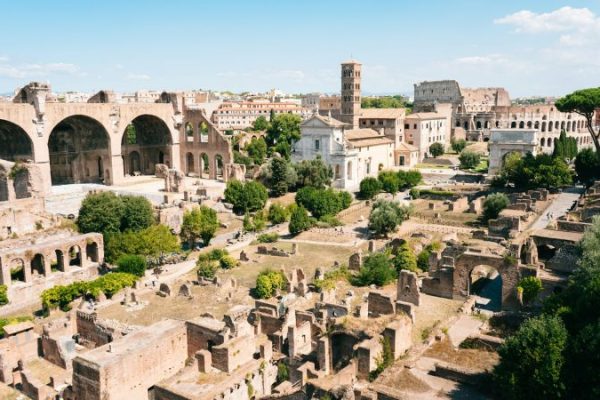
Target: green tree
<point x="377" y="269"/>
<point x="283" y="132"/>
<point x="531" y="361"/>
<point x="152" y="241"/>
<point x="200" y="222"/>
<point x="321" y="202"/>
<point x="313" y="173"/>
<point x="405" y="259"/>
<point x="277" y="214"/>
<point x="436" y="149"/>
<point x="100" y="212"/>
<point x="246" y="196"/>
<point x="493" y="204"/>
<point x="390" y="181"/>
<point x="409" y="179"/>
<point x="299" y="221"/>
<point x="386" y="216"/>
<point x="369" y="187"/>
<point x="257" y="150"/>
<point x="279" y="169"/>
<point x="138" y="213"/>
<point x="469" y="159"/>
<point x="260" y="124"/>
<point x="423" y="259"/>
<point x="583" y="102"/>
<point x="531" y="288"/>
<point x="565" y="147"/>
<point x="458" y="145"/>
<point x="132" y="264"/>
<point x="587" y="165"/>
<point x="268" y="282"/>
<point x="384" y="102"/>
<point x="541" y="171"/>
<point x="206" y="268"/>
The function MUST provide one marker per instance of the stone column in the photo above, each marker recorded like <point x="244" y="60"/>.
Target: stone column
<point x="323" y="355"/>
<point x="47" y="265"/>
<point x="27" y="269"/>
<point x="5" y="273"/>
<point x="116" y="171"/>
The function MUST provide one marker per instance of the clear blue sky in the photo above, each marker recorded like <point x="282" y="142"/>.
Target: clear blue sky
<point x="543" y="47"/>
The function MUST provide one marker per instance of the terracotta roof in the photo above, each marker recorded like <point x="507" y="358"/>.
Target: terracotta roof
<point x="425" y="115"/>
<point x="326" y="120"/>
<point x="383" y="113"/>
<point x="406" y="147"/>
<point x="365" y="137"/>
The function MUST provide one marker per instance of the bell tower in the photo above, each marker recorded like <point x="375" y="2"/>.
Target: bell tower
<point x="350" y="92"/>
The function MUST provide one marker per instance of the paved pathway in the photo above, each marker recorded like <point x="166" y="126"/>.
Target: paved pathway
<point x="559" y="207"/>
<point x="465" y="326"/>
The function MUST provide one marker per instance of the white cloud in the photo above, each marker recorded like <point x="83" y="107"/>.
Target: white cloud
<point x="37" y="70"/>
<point x="3" y="59"/>
<point x="481" y="60"/>
<point x="561" y="20"/>
<point x="138" y="77"/>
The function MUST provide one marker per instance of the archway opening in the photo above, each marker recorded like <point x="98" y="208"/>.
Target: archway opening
<point x="37" y="265"/>
<point x="58" y="263"/>
<point x="204" y="166"/>
<point x="75" y="256"/>
<point x="218" y="166"/>
<point x="145" y="143"/>
<point x="75" y="145"/>
<point x="15" y="144"/>
<point x="546" y="252"/>
<point x="342" y="349"/>
<point x="91" y="251"/>
<point x="203" y="129"/>
<point x="485" y="282"/>
<point x="189" y="163"/>
<point x="17" y="270"/>
<point x="338" y="171"/>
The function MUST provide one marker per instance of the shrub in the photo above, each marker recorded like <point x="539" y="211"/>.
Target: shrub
<point x="3" y="295"/>
<point x="206" y="268"/>
<point x="132" y="264"/>
<point x="436" y="149"/>
<point x="268" y="282"/>
<point x="458" y="145"/>
<point x="200" y="222"/>
<point x="405" y="259"/>
<point x="299" y="221"/>
<point x="329" y="221"/>
<point x="531" y="287"/>
<point x="423" y="260"/>
<point x="138" y="213"/>
<point x="331" y="278"/>
<point x="228" y="262"/>
<point x="390" y="181"/>
<point x="369" y="187"/>
<point x="386" y="216"/>
<point x="322" y="202"/>
<point x="377" y="270"/>
<point x="246" y="196"/>
<point x="493" y="204"/>
<point x="255" y="223"/>
<point x="283" y="372"/>
<point x="414" y="193"/>
<point x="268" y="237"/>
<point x="152" y="241"/>
<point x="101" y="212"/>
<point x="277" y="214"/>
<point x="409" y="179"/>
<point x="469" y="159"/>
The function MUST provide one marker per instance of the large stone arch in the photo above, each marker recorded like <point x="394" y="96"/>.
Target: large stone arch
<point x="150" y="137"/>
<point x="15" y="143"/>
<point x="507" y="267"/>
<point x="79" y="149"/>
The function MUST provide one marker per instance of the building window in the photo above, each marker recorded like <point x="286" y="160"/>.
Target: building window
<point x="317" y="144"/>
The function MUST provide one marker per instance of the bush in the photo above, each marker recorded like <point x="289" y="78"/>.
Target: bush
<point x="206" y="268"/>
<point x="101" y="212"/>
<point x="228" y="262"/>
<point x="458" y="145"/>
<point x="531" y="288"/>
<point x="386" y="216"/>
<point x="322" y="202"/>
<point x="132" y="264"/>
<point x="152" y="241"/>
<point x="390" y="181"/>
<point x="423" y="260"/>
<point x="409" y="179"/>
<point x="246" y="197"/>
<point x="469" y="159"/>
<point x="3" y="295"/>
<point x="200" y="222"/>
<point x="62" y="295"/>
<point x="138" y="213"/>
<point x="283" y="372"/>
<point x="405" y="259"/>
<point x="268" y="283"/>
<point x="369" y="187"/>
<point x="436" y="149"/>
<point x="268" y="237"/>
<point x="299" y="221"/>
<point x="277" y="214"/>
<point x="587" y="165"/>
<point x="329" y="221"/>
<point x="255" y="223"/>
<point x="493" y="204"/>
<point x="377" y="269"/>
<point x="414" y="193"/>
<point x="331" y="278"/>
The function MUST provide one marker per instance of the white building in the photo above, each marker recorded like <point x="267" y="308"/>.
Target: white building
<point x="353" y="154"/>
<point x="424" y="129"/>
<point x="241" y="115"/>
<point x="504" y="141"/>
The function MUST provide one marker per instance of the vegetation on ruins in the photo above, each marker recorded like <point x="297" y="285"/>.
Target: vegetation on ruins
<point x="565" y="147"/>
<point x="278" y="214"/>
<point x="387" y="215"/>
<point x="493" y="204"/>
<point x="208" y="263"/>
<point x="369" y="187"/>
<point x="430" y="193"/>
<point x="331" y="278"/>
<point x="469" y="159"/>
<point x="254" y="223"/>
<point x="300" y="221"/>
<point x="529" y="172"/>
<point x="132" y="264"/>
<point x="584" y="102"/>
<point x="377" y="269"/>
<point x="321" y="202"/>
<point x="283" y="372"/>
<point x="3" y="295"/>
<point x="268" y="237"/>
<point x="153" y="241"/>
<point x="257" y="150"/>
<point x="423" y="257"/>
<point x="62" y="295"/>
<point x="268" y="283"/>
<point x="587" y="165"/>
<point x="458" y="145"/>
<point x="557" y="354"/>
<point x="200" y="222"/>
<point x="11" y="321"/>
<point x="405" y="259"/>
<point x="530" y="287"/>
<point x="283" y="132"/>
<point x="384" y="360"/>
<point x="436" y="149"/>
<point x="246" y="196"/>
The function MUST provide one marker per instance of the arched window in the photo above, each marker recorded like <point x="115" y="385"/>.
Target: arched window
<point x="521" y="125"/>
<point x="542" y="142"/>
<point x="189" y="132"/>
<point x="544" y="126"/>
<point x="513" y="125"/>
<point x="349" y="170"/>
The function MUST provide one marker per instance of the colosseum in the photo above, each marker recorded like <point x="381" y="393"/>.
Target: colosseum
<point x="103" y="141"/>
